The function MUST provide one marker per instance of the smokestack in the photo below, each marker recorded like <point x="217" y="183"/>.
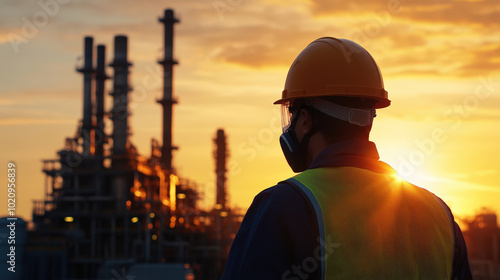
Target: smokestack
<point x="87" y="71"/>
<point x="167" y="102"/>
<point x="119" y="113"/>
<point x="100" y="78"/>
<point x="221" y="153"/>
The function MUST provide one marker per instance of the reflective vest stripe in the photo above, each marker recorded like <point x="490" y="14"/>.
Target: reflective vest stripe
<point x="319" y="216"/>
<point x="452" y="221"/>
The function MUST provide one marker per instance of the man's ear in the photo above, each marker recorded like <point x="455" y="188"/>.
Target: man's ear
<point x="305" y="122"/>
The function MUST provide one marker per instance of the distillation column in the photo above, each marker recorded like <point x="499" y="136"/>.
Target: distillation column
<point x="119" y="115"/>
<point x="87" y="72"/>
<point x="167" y="102"/>
<point x="221" y="155"/>
<point x="100" y="78"/>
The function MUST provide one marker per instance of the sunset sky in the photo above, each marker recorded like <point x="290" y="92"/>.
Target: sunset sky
<point x="440" y="61"/>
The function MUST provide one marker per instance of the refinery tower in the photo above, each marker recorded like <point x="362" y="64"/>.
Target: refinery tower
<point x="111" y="213"/>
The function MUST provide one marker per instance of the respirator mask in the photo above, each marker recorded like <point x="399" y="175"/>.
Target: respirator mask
<point x="295" y="156"/>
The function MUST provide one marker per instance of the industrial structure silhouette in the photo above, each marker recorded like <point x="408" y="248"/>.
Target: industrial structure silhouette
<point x="108" y="212"/>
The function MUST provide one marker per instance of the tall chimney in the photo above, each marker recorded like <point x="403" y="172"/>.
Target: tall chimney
<point x="221" y="153"/>
<point x="87" y="71"/>
<point x="100" y="78"/>
<point x="119" y="113"/>
<point x="168" y="62"/>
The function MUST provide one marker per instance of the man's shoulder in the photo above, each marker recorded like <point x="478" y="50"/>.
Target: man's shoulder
<point x="282" y="192"/>
<point x="432" y="195"/>
<point x="281" y="197"/>
<point x="281" y="206"/>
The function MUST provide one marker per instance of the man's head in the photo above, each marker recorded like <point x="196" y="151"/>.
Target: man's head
<point x="336" y="128"/>
<point x="331" y="92"/>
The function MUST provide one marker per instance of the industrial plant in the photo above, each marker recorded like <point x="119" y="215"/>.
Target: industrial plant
<point x="110" y="212"/>
<point x="482" y="236"/>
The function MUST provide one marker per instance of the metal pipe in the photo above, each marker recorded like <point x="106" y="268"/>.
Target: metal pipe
<point x="167" y="102"/>
<point x="87" y="71"/>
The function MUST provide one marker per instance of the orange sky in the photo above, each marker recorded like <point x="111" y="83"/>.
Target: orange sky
<point x="440" y="61"/>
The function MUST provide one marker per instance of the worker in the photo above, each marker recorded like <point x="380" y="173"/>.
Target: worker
<point x="347" y="215"/>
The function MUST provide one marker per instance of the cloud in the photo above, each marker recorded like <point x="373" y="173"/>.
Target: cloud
<point x="8" y="102"/>
<point x="403" y="47"/>
<point x="485" y="59"/>
<point x="454" y="57"/>
<point x="469" y="175"/>
<point x="483" y="12"/>
<point x="262" y="47"/>
<point x="446" y="108"/>
<point x="4" y="37"/>
<point x="257" y="43"/>
<point x="42" y="95"/>
<point x="463" y="185"/>
<point x="263" y="35"/>
<point x="425" y="37"/>
<point x="33" y="121"/>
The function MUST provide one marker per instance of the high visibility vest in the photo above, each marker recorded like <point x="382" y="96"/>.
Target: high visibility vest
<point x="377" y="226"/>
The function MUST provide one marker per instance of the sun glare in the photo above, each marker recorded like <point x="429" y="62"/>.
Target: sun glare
<point x="397" y="178"/>
<point x="417" y="177"/>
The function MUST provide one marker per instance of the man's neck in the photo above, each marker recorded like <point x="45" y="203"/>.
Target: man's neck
<point x="318" y="143"/>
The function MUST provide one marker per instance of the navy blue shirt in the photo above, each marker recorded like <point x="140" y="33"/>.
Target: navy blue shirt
<point x="280" y="229"/>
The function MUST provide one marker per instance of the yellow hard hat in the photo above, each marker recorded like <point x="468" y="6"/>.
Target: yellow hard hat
<point x="334" y="67"/>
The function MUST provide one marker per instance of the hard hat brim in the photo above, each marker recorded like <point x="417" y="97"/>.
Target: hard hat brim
<point x="380" y="95"/>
